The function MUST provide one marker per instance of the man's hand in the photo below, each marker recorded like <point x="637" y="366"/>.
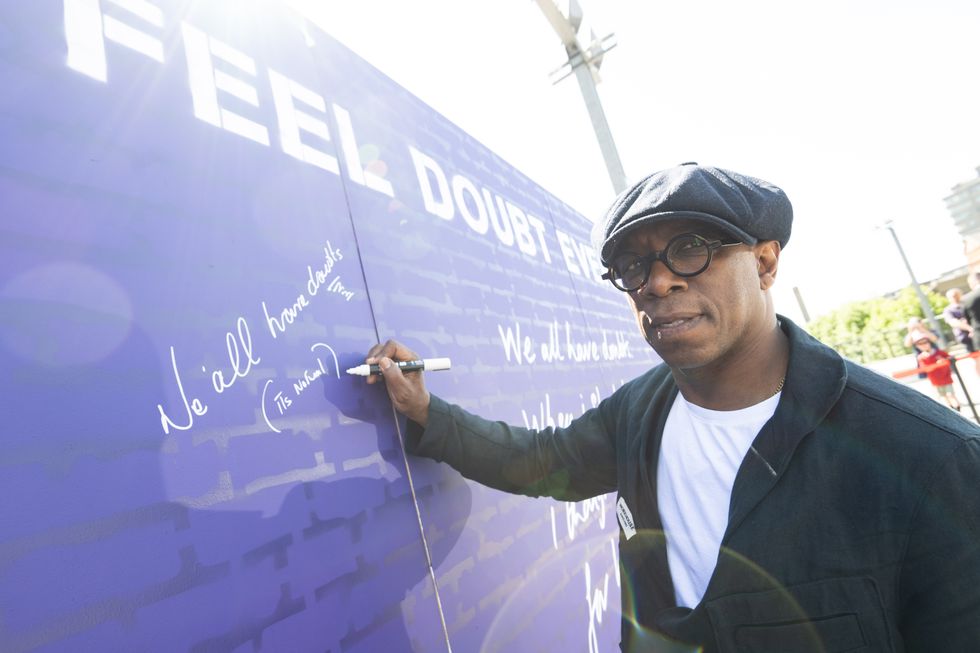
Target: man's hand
<point x="406" y="390"/>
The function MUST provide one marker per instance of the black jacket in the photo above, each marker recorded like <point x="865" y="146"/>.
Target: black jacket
<point x="854" y="522"/>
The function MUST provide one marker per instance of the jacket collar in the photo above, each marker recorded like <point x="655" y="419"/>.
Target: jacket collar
<point x="815" y="379"/>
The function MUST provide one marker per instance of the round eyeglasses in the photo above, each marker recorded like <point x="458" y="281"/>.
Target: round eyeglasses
<point x="686" y="255"/>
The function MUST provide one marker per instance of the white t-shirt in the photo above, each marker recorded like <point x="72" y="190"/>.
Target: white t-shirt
<point x="700" y="454"/>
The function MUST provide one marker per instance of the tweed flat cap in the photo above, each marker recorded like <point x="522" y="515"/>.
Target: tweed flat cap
<point x="749" y="209"/>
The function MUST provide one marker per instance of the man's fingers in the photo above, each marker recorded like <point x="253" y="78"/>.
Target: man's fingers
<point x="392" y="373"/>
<point x="375" y="354"/>
<point x="407" y="391"/>
<point x="392" y="349"/>
<point x="398" y="385"/>
<point x="399" y="352"/>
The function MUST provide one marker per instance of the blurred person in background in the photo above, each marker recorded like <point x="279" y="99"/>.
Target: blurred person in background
<point x="941" y="377"/>
<point x="955" y="316"/>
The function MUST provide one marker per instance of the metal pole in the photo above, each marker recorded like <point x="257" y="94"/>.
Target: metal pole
<point x="585" y="62"/>
<point x="799" y="300"/>
<point x="583" y="73"/>
<point x="952" y="363"/>
<point x="923" y="302"/>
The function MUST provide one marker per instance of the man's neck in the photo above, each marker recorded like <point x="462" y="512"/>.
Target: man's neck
<point x="753" y="375"/>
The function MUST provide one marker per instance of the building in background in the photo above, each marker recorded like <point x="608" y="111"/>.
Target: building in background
<point x="964" y="207"/>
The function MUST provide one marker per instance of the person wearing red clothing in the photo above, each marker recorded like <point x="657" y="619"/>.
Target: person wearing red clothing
<point x="941" y="377"/>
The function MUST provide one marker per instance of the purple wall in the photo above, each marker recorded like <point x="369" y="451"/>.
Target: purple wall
<point x="206" y="214"/>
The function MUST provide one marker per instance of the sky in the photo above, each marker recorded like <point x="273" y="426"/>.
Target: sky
<point x="863" y="111"/>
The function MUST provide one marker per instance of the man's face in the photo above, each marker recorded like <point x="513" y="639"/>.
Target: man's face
<point x="711" y="318"/>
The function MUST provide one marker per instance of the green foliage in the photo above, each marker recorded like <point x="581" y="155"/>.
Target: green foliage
<point x="875" y="329"/>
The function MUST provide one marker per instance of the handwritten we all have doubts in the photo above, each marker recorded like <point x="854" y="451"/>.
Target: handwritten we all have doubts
<point x="242" y="356"/>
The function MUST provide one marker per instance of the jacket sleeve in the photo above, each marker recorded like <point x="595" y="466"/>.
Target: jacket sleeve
<point x="940" y="579"/>
<point x="571" y="463"/>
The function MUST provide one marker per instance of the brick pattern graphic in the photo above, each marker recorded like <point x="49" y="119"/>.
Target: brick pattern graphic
<point x="516" y="579"/>
<point x="205" y="222"/>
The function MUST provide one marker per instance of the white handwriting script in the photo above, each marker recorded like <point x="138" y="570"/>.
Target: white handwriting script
<point x="560" y="345"/>
<point x="279" y="322"/>
<point x="237" y="342"/>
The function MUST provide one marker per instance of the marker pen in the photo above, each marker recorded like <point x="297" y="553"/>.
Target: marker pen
<point x="428" y="364"/>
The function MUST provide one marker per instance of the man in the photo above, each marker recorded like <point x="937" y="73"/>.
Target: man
<point x="955" y="316"/>
<point x="772" y="496"/>
<point x="971" y="306"/>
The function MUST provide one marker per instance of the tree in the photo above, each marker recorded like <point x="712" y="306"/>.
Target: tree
<point x="874" y="329"/>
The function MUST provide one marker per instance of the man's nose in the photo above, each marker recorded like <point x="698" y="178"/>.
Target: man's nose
<point x="662" y="281"/>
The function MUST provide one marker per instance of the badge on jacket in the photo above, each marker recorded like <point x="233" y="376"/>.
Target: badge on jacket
<point x="625" y="518"/>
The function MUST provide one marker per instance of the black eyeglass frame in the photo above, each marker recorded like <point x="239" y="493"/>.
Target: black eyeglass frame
<point x="649" y="259"/>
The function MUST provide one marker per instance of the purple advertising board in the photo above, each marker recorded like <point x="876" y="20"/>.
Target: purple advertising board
<point x="208" y="210"/>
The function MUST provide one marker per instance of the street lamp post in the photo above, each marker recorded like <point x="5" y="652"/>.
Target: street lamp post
<point x="923" y="302"/>
<point x="799" y="301"/>
<point x="584" y="62"/>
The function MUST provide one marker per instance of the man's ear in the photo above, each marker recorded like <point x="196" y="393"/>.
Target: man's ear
<point x="767" y="255"/>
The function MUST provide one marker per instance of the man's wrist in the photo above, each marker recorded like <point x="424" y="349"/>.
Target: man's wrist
<point x="421" y="415"/>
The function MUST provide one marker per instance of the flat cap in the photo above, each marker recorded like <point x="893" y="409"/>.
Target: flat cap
<point x="749" y="209"/>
